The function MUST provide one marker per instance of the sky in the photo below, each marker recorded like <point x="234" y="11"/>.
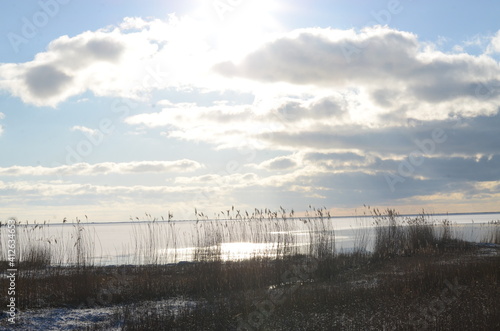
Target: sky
<point x="118" y="108"/>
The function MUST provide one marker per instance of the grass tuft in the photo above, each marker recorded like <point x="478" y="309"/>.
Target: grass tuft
<point x="418" y="275"/>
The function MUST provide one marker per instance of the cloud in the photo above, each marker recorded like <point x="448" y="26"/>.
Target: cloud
<point x="54" y="193"/>
<point x="368" y="87"/>
<point x="129" y="60"/>
<point x="346" y="57"/>
<point x="45" y="81"/>
<point x="228" y="126"/>
<point x="71" y="66"/>
<point x="84" y="130"/>
<point x="279" y="163"/>
<point x="340" y="157"/>
<point x="105" y="168"/>
<point x="66" y="67"/>
<point x="344" y="107"/>
<point x="342" y="161"/>
<point x="293" y="125"/>
<point x="393" y="68"/>
<point x="382" y="69"/>
<point x="494" y="46"/>
<point x="459" y="136"/>
<point x="322" y="56"/>
<point x="329" y="107"/>
<point x="482" y="168"/>
<point x="219" y="181"/>
<point x="105" y="49"/>
<point x="346" y="179"/>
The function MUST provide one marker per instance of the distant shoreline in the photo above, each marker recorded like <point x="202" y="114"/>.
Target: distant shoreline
<point x="83" y="222"/>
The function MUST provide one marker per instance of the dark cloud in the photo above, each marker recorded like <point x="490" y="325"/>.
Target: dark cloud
<point x="69" y="67"/>
<point x="455" y="136"/>
<point x="279" y="163"/>
<point x="372" y="58"/>
<point x="396" y="140"/>
<point x="333" y="156"/>
<point x="221" y="116"/>
<point x="105" y="49"/>
<point x="384" y="97"/>
<point x="325" y="108"/>
<point x="291" y="111"/>
<point x="323" y="58"/>
<point x="449" y="88"/>
<point x="46" y="81"/>
<point x="452" y="169"/>
<point x="328" y="107"/>
<point x="348" y="189"/>
<point x="81" y="52"/>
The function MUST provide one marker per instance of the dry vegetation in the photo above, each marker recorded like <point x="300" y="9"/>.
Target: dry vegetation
<point x="417" y="276"/>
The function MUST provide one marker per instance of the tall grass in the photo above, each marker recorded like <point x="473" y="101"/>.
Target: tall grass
<point x="405" y="236"/>
<point x="55" y="274"/>
<point x="406" y="275"/>
<point x="493" y="234"/>
<point x="53" y="267"/>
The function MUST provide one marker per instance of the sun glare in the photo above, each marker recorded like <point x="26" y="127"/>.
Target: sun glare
<point x="236" y="27"/>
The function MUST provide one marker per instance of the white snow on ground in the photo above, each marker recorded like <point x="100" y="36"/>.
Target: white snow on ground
<point x="76" y="319"/>
<point x="58" y="319"/>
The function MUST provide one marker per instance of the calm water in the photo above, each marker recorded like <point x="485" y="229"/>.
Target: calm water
<point x="169" y="242"/>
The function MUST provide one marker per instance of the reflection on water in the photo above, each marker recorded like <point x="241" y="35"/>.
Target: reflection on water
<point x="172" y="242"/>
<point x="227" y="251"/>
<point x="246" y="250"/>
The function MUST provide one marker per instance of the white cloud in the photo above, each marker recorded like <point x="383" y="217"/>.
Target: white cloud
<point x="128" y="61"/>
<point x="338" y="84"/>
<point x="336" y="124"/>
<point x="85" y="169"/>
<point x="229" y="126"/>
<point x="279" y="163"/>
<point x="381" y="69"/>
<point x="348" y="179"/>
<point x="84" y="130"/>
<point x="494" y="46"/>
<point x="345" y="57"/>
<point x="53" y="193"/>
<point x="391" y="67"/>
<point x="70" y="66"/>
<point x="219" y="181"/>
<point x="348" y="106"/>
<point x="328" y="56"/>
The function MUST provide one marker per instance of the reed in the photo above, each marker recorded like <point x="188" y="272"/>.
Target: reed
<point x="320" y="286"/>
<point x="493" y="234"/>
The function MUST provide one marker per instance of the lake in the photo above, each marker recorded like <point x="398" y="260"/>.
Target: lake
<point x="145" y="242"/>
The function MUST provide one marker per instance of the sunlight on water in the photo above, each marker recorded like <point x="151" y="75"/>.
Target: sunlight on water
<point x="233" y="251"/>
<point x="245" y="250"/>
<point x="172" y="242"/>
